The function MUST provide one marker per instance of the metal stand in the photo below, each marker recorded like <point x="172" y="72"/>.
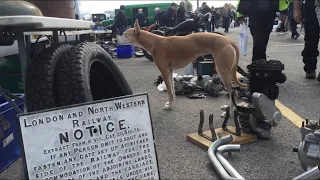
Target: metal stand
<point x="211" y="127"/>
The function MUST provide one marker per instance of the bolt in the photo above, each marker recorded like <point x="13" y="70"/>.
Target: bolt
<point x="307" y="121"/>
<point x="302" y="123"/>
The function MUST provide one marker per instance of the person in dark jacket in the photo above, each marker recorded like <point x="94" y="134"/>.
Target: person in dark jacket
<point x="226" y="16"/>
<point x="121" y="20"/>
<point x="181" y="13"/>
<point x="158" y="16"/>
<point x="293" y="23"/>
<point x="261" y="18"/>
<point x="141" y="18"/>
<point x="169" y="17"/>
<point x="206" y="9"/>
<point x="213" y="18"/>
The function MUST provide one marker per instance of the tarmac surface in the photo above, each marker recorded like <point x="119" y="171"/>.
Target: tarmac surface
<point x="264" y="159"/>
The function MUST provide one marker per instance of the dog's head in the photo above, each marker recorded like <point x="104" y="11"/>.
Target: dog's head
<point x="130" y="36"/>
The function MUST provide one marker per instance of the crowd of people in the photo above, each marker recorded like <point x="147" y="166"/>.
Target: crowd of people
<point x="261" y="17"/>
<point x="176" y="14"/>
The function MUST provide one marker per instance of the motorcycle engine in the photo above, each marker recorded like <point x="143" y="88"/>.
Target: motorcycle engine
<point x="259" y="113"/>
<point x="309" y="147"/>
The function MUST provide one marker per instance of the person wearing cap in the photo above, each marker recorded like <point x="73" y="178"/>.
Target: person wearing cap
<point x="141" y="18"/>
<point x="121" y="20"/>
<point x="170" y="15"/>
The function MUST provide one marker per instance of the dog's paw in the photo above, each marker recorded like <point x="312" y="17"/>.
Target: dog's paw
<point x="167" y="106"/>
<point x="224" y="114"/>
<point x="224" y="107"/>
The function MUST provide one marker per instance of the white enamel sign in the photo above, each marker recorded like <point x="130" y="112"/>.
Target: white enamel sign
<point x="101" y="140"/>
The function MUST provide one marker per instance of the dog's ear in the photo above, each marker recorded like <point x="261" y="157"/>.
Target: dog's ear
<point x="136" y="27"/>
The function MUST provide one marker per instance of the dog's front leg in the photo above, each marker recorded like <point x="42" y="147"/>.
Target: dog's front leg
<point x="167" y="78"/>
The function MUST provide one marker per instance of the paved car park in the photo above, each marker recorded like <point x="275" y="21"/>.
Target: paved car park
<point x="264" y="159"/>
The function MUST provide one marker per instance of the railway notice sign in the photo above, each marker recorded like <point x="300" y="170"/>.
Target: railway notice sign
<point x="109" y="139"/>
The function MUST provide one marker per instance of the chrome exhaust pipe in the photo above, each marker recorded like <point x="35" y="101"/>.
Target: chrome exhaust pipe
<point x="229" y="168"/>
<point x="212" y="151"/>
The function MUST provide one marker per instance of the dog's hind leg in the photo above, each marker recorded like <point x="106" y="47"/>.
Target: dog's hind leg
<point x="167" y="78"/>
<point x="172" y="85"/>
<point x="226" y="80"/>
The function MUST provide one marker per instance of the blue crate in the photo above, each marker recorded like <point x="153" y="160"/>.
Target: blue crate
<point x="125" y="51"/>
<point x="10" y="149"/>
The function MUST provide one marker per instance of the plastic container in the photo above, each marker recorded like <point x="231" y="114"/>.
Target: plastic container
<point x="125" y="51"/>
<point x="10" y="149"/>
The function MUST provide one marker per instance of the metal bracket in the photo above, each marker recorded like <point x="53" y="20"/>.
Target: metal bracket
<point x="211" y="127"/>
<point x="236" y="122"/>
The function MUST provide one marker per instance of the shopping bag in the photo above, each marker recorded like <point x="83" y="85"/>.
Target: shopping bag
<point x="232" y="24"/>
<point x="243" y="42"/>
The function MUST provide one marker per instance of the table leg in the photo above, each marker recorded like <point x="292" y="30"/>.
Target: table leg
<point x="23" y="55"/>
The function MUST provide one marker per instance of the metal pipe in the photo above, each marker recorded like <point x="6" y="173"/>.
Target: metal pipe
<point x="229" y="168"/>
<point x="313" y="173"/>
<point x="214" y="160"/>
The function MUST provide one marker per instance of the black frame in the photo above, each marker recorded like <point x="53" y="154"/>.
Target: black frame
<point x="24" y="164"/>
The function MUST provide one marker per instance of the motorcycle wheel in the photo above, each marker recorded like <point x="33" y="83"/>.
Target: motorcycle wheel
<point x="145" y="53"/>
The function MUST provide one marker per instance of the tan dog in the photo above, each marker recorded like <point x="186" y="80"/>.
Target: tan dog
<point x="175" y="52"/>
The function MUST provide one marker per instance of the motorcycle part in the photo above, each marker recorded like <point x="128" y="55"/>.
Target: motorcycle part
<point x="213" y="86"/>
<point x="182" y="86"/>
<point x="211" y="127"/>
<point x="212" y="150"/>
<point x="41" y="78"/>
<point x="228" y="167"/>
<point x="308" y="150"/>
<point x="264" y="76"/>
<point x="243" y="92"/>
<point x="88" y="73"/>
<point x="312" y="174"/>
<point x="158" y="81"/>
<point x="196" y="96"/>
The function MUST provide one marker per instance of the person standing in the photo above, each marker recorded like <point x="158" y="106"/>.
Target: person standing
<point x="181" y="13"/>
<point x="213" y="19"/>
<point x="206" y="9"/>
<point x="141" y="18"/>
<point x="261" y="18"/>
<point x="170" y="15"/>
<point x="293" y="24"/>
<point x="121" y="20"/>
<point x="226" y="16"/>
<point x="311" y="38"/>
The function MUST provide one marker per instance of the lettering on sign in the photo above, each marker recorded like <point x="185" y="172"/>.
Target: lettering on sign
<point x="103" y="140"/>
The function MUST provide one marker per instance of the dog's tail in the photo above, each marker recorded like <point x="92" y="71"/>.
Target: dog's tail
<point x="235" y="66"/>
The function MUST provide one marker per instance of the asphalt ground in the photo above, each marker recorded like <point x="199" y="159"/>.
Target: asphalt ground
<point x="264" y="159"/>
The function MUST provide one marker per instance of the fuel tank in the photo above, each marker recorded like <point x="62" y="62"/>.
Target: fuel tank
<point x="56" y="8"/>
<point x="18" y="8"/>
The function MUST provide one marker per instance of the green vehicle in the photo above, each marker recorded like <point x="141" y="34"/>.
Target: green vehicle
<point x="132" y="10"/>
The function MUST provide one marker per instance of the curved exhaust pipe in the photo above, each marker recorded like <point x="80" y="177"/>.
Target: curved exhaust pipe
<point x="228" y="167"/>
<point x="219" y="167"/>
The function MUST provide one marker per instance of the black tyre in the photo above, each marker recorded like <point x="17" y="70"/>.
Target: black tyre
<point x="87" y="73"/>
<point x="40" y="80"/>
<point x="145" y="53"/>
